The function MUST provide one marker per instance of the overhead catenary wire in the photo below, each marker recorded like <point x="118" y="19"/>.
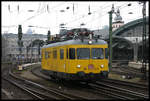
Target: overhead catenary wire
<point x="41" y="10"/>
<point x="122" y="6"/>
<point x="82" y="16"/>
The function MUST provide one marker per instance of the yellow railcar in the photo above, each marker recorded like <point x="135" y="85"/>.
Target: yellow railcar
<point x="76" y="59"/>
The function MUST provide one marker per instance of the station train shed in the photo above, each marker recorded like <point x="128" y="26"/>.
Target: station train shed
<point x="127" y="41"/>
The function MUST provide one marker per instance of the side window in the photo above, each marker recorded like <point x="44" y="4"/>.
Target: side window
<point x="49" y="54"/>
<point x="106" y="53"/>
<point x="71" y="53"/>
<point x="46" y="54"/>
<point x="61" y="53"/>
<point x="42" y="55"/>
<point x="67" y="53"/>
<point x="54" y="54"/>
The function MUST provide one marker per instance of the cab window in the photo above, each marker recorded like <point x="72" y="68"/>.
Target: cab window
<point x="83" y="53"/>
<point x="97" y="53"/>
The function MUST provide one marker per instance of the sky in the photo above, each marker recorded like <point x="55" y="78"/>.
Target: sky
<point x="46" y="15"/>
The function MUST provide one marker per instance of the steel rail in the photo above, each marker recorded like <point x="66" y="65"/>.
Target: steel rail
<point x="30" y="90"/>
<point x="133" y="71"/>
<point x="42" y="94"/>
<point x="105" y="92"/>
<point x="126" y="73"/>
<point x="129" y="70"/>
<point x="54" y="91"/>
<point x="75" y="96"/>
<point x="42" y="87"/>
<point x="21" y="87"/>
<point x="141" y="86"/>
<point x="110" y="92"/>
<point x="125" y="91"/>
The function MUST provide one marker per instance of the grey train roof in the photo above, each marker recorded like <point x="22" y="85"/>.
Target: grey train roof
<point x="76" y="42"/>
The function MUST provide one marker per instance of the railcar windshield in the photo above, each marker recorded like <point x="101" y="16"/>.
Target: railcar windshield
<point x="83" y="53"/>
<point x="97" y="53"/>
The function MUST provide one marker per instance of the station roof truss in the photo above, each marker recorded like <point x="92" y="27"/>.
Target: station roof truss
<point x="128" y="26"/>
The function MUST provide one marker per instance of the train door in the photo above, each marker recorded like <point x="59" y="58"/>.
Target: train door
<point x="71" y="60"/>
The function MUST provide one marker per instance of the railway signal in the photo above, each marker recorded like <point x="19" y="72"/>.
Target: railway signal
<point x="20" y="42"/>
<point x="110" y="37"/>
<point x="20" y="32"/>
<point x="144" y="62"/>
<point x="89" y="11"/>
<point x="48" y="35"/>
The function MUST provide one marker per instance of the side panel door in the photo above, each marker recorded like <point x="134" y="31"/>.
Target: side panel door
<point x="72" y="62"/>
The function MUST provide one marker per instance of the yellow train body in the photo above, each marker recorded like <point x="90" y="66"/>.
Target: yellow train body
<point x="59" y="61"/>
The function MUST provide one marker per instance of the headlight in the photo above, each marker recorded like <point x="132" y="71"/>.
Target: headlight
<point x="102" y="66"/>
<point x="78" y="66"/>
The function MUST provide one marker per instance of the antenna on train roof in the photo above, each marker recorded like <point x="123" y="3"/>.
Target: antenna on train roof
<point x="82" y="38"/>
<point x="90" y="38"/>
<point x="96" y="39"/>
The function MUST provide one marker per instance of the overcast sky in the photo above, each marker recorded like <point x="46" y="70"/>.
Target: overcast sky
<point x="49" y="15"/>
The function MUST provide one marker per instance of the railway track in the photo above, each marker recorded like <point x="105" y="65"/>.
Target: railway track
<point x="125" y="83"/>
<point x="136" y="72"/>
<point x="7" y="78"/>
<point x="46" y="93"/>
<point x="32" y="92"/>
<point x="125" y="92"/>
<point x="36" y="90"/>
<point x="67" y="84"/>
<point x="128" y="71"/>
<point x="114" y="91"/>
